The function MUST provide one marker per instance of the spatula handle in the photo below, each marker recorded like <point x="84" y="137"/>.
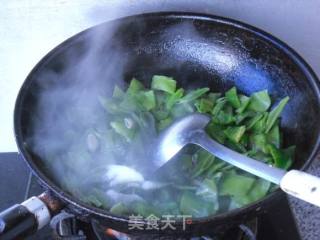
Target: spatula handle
<point x="302" y="185"/>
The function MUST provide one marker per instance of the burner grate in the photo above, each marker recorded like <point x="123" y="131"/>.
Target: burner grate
<point x="277" y="223"/>
<point x="246" y="231"/>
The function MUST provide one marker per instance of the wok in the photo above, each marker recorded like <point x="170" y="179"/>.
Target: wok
<point x="215" y="52"/>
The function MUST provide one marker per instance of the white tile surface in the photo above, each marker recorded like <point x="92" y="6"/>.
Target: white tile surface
<point x="30" y="28"/>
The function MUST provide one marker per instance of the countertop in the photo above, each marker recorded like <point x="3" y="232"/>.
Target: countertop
<point x="31" y="28"/>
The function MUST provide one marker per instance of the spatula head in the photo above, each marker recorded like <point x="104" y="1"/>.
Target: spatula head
<point x="176" y="136"/>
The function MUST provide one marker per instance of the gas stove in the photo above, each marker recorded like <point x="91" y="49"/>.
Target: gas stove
<point x="18" y="184"/>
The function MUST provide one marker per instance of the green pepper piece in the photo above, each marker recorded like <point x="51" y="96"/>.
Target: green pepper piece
<point x="235" y="146"/>
<point x="144" y="209"/>
<point x="117" y="92"/>
<point x="174" y="98"/>
<point x="182" y="109"/>
<point x="161" y="98"/>
<point x="121" y="129"/>
<point x="163" y="83"/>
<point x="100" y="195"/>
<point x="244" y="141"/>
<point x="119" y="209"/>
<point x="289" y="153"/>
<point x="147" y="99"/>
<point x="129" y="103"/>
<point x="235" y="133"/>
<point x="280" y="158"/>
<point x="110" y="105"/>
<point x="219" y="105"/>
<point x="273" y="136"/>
<point x="223" y="118"/>
<point x="193" y="95"/>
<point x="168" y="208"/>
<point x="236" y="186"/>
<point x="242" y="116"/>
<point x="216" y="131"/>
<point x="190" y="204"/>
<point x="232" y="97"/>
<point x="244" y="102"/>
<point x="160" y="114"/>
<point x="213" y="97"/>
<point x="254" y="120"/>
<point x="204" y="105"/>
<point x="134" y="86"/>
<point x="208" y="190"/>
<point x="164" y="123"/>
<point x="275" y="113"/>
<point x="204" y="160"/>
<point x="260" y="156"/>
<point x="260" y="125"/>
<point x="93" y="200"/>
<point x="258" y="142"/>
<point x="216" y="167"/>
<point x="259" y="190"/>
<point x="259" y="101"/>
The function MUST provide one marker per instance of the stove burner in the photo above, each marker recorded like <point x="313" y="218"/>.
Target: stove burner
<point x="276" y="223"/>
<point x="67" y="227"/>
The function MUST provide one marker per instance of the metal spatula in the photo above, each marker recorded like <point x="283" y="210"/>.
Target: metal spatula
<point x="190" y="129"/>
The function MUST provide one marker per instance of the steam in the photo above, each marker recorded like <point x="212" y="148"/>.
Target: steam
<point x="70" y="126"/>
<point x="70" y="131"/>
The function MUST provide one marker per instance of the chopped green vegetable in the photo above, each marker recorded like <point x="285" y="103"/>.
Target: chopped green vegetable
<point x="147" y="100"/>
<point x="196" y="182"/>
<point x="110" y="105"/>
<point x="216" y="131"/>
<point x="117" y="92"/>
<point x="121" y="129"/>
<point x="193" y="95"/>
<point x="94" y="200"/>
<point x="191" y="204"/>
<point x="233" y="98"/>
<point x="259" y="190"/>
<point x="119" y="209"/>
<point x="174" y="98"/>
<point x="213" y="97"/>
<point x="244" y="102"/>
<point x="219" y="105"/>
<point x="235" y="133"/>
<point x="280" y="158"/>
<point x="160" y="114"/>
<point x="208" y="190"/>
<point x="223" y="118"/>
<point x="273" y="135"/>
<point x="143" y="209"/>
<point x="260" y="125"/>
<point x="134" y="86"/>
<point x="259" y="142"/>
<point x="182" y="110"/>
<point x="204" y="105"/>
<point x="260" y="101"/>
<point x="203" y="160"/>
<point x="237" y="186"/>
<point x="275" y="113"/>
<point x="240" y="117"/>
<point x="254" y="120"/>
<point x="163" y="83"/>
<point x="164" y="123"/>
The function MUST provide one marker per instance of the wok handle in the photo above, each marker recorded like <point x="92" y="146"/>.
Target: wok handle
<point x="23" y="219"/>
<point x="302" y="185"/>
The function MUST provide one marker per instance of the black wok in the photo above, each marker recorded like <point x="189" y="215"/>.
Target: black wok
<point x="223" y="53"/>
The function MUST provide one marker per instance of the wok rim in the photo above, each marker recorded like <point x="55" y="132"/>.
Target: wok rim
<point x="45" y="181"/>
